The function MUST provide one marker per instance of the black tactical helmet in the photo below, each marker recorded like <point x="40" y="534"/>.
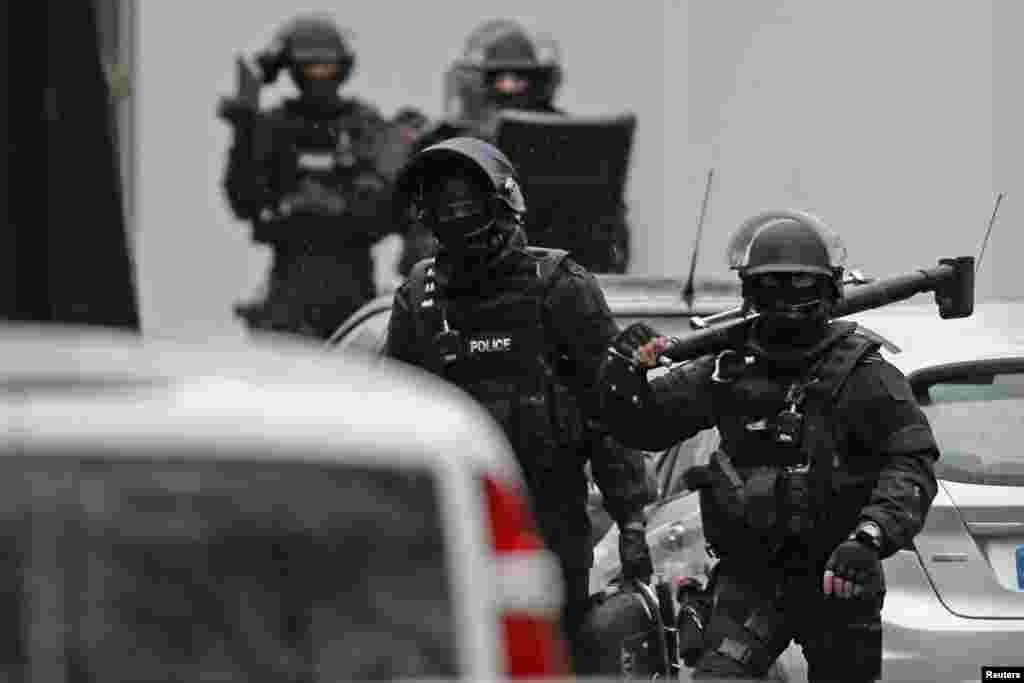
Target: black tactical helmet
<point x="621" y="635"/>
<point x="787" y="242"/>
<point x="312" y="39"/>
<point x="503" y="45"/>
<point x="484" y="164"/>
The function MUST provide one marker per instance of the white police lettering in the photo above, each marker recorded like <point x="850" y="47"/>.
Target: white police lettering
<point x="490" y="345"/>
<point x="309" y="161"/>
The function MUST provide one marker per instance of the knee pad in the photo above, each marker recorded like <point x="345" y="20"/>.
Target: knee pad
<point x="851" y="652"/>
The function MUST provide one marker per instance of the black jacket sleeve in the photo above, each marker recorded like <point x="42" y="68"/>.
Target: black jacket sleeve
<point x="582" y="326"/>
<point x="667" y="410"/>
<point x="887" y="421"/>
<point x="249" y="173"/>
<point x="621" y="474"/>
<point x="401" y="342"/>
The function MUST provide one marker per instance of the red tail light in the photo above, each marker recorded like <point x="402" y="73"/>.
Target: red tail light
<point x="533" y="643"/>
<point x="511" y="522"/>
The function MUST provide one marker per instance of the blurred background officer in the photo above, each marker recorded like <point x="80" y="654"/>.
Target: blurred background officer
<point x="523" y="330"/>
<point x="313" y="175"/>
<point x="826" y="465"/>
<point x="503" y="67"/>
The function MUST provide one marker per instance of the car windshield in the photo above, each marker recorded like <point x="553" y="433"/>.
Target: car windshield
<point x="200" y="570"/>
<point x="979" y="430"/>
<point x="369" y="334"/>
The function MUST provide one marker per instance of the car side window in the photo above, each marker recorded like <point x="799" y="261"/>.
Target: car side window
<point x="244" y="567"/>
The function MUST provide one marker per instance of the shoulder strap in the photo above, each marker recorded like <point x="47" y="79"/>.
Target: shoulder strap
<point x="831" y="374"/>
<point x="426" y="308"/>
<point x="838" y="362"/>
<point x="548" y="262"/>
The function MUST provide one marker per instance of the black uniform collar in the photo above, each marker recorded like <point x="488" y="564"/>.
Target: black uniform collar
<point x="488" y="274"/>
<point x="796" y="357"/>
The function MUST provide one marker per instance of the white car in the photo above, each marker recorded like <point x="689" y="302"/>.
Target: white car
<point x="176" y="512"/>
<point x="956" y="602"/>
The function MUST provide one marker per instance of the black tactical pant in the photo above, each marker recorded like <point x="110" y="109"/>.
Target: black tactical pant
<point x="577" y="600"/>
<point x="758" y="611"/>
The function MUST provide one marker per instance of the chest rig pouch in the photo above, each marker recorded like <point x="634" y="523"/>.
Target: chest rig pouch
<point x="328" y="167"/>
<point x="771" y="478"/>
<point x="493" y="344"/>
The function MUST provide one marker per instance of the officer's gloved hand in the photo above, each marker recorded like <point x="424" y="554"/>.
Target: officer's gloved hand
<point x="697" y="477"/>
<point x="854" y="570"/>
<point x="634" y="553"/>
<point x="640" y="342"/>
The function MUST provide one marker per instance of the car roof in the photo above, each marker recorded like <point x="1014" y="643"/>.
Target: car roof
<point x="71" y="385"/>
<point x="639" y="295"/>
<point x="994" y="330"/>
<point x="627" y="295"/>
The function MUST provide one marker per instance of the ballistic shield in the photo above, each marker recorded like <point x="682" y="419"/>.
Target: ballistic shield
<point x="568" y="162"/>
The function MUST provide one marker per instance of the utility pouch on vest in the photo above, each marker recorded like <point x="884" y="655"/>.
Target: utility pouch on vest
<point x="449" y="346"/>
<point x="761" y="493"/>
<point x="796" y="501"/>
<point x="727" y="487"/>
<point x="535" y="434"/>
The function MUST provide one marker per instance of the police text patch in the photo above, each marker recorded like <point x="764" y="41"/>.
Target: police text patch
<point x="490" y="344"/>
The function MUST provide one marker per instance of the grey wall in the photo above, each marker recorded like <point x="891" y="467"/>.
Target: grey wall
<point x="894" y="121"/>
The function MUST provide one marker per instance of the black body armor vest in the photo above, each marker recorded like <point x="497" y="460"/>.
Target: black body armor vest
<point x="492" y="343"/>
<point x="782" y="470"/>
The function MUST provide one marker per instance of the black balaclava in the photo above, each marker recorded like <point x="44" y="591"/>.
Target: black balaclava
<point x="470" y="229"/>
<point x="794" y="308"/>
<point x="317" y="91"/>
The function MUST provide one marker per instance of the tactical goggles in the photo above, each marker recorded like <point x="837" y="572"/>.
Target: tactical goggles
<point x="320" y="71"/>
<point x="511" y="82"/>
<point x="786" y="292"/>
<point x="787" y="280"/>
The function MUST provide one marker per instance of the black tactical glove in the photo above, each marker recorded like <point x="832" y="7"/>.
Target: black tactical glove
<point x="633" y="337"/>
<point x="634" y="553"/>
<point x="697" y="477"/>
<point x="855" y="569"/>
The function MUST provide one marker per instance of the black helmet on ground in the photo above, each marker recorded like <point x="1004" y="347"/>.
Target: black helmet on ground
<point x="791" y="265"/>
<point x="464" y="190"/>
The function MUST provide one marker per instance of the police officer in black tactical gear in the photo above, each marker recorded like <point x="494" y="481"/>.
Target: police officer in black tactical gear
<point x="504" y="67"/>
<point x="313" y="176"/>
<point x="825" y="466"/>
<point x="523" y="330"/>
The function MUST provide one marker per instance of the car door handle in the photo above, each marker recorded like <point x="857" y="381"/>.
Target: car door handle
<point x="994" y="528"/>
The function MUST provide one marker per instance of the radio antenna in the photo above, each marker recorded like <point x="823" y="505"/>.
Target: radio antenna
<point x="689" y="289"/>
<point x="988" y="232"/>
